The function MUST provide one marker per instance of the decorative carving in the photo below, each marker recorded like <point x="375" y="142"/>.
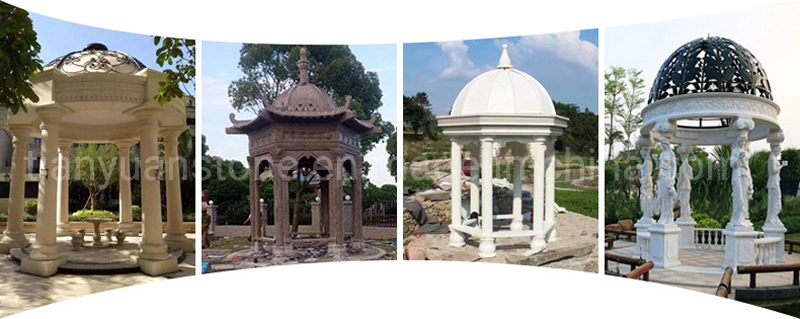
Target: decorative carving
<point x="741" y="180"/>
<point x="710" y="64"/>
<point x="666" y="194"/>
<point x="646" y="200"/>
<point x="97" y="58"/>
<point x="717" y="104"/>
<point x="774" y="181"/>
<point x="685" y="182"/>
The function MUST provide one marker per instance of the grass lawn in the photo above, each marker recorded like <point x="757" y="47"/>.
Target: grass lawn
<point x="583" y="202"/>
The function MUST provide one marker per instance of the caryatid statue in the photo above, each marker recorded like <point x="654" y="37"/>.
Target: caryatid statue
<point x="646" y="201"/>
<point x="741" y="180"/>
<point x="665" y="194"/>
<point x="685" y="182"/>
<point x="774" y="182"/>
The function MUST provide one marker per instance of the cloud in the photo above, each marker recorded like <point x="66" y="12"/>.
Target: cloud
<point x="459" y="65"/>
<point x="566" y="45"/>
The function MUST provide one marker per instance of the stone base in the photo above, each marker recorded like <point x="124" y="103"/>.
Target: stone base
<point x="664" y="241"/>
<point x="487" y="248"/>
<point x="777" y="231"/>
<point x="642" y="228"/>
<point x="336" y="251"/>
<point x="42" y="268"/>
<point x="687" y="233"/>
<point x="158" y="267"/>
<point x="538" y="244"/>
<point x="64" y="230"/>
<point x="739" y="246"/>
<point x="8" y="242"/>
<point x="456" y="239"/>
<point x="187" y="245"/>
<point x="357" y="245"/>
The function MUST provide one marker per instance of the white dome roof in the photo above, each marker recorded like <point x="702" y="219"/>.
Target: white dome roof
<point x="505" y="91"/>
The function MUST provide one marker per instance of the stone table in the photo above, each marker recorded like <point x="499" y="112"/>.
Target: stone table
<point x="97" y="243"/>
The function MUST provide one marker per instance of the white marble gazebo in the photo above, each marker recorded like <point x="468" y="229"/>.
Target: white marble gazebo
<point x="710" y="91"/>
<point x="503" y="110"/>
<point x="98" y="96"/>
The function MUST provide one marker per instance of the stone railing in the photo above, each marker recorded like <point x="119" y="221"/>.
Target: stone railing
<point x="709" y="239"/>
<point x="767" y="250"/>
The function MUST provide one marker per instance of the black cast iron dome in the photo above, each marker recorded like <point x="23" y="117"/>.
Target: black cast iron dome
<point x="710" y="64"/>
<point x="97" y="58"/>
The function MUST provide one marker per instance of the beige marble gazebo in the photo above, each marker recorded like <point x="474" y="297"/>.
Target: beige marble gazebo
<point x="97" y="96"/>
<point x="303" y="128"/>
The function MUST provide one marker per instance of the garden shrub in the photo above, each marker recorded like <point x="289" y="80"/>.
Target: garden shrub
<point x="792" y="224"/>
<point x="189" y="217"/>
<point x="708" y="223"/>
<point x="700" y="216"/>
<point x="417" y="182"/>
<point x="30" y="207"/>
<point x="82" y="215"/>
<point x="136" y="211"/>
<point x="28" y="218"/>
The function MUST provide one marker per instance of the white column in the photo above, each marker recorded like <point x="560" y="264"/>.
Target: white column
<point x="773" y="227"/>
<point x="64" y="148"/>
<point x="153" y="257"/>
<point x="550" y="190"/>
<point x="685" y="222"/>
<point x="125" y="224"/>
<point x="665" y="234"/>
<point x="474" y="181"/>
<point x="456" y="238"/>
<point x="739" y="233"/>
<point x="487" y="247"/>
<point x="646" y="199"/>
<point x="176" y="235"/>
<point x="45" y="257"/>
<point x="537" y="151"/>
<point x="516" y="204"/>
<point x="14" y="235"/>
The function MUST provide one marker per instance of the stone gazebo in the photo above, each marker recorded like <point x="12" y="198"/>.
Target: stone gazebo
<point x="97" y="96"/>
<point x="710" y="91"/>
<point x="503" y="110"/>
<point x="304" y="129"/>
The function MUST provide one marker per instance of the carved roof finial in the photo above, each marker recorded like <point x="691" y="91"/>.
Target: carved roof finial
<point x="303" y="65"/>
<point x="505" y="61"/>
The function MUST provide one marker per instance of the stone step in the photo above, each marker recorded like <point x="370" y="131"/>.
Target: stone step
<point x="551" y="255"/>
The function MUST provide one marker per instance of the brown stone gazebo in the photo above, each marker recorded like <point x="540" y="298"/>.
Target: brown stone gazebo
<point x="304" y="129"/>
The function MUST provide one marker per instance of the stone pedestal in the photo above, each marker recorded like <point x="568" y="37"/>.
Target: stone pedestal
<point x="158" y="267"/>
<point x="487" y="248"/>
<point x="642" y="228"/>
<point x="777" y="231"/>
<point x="43" y="260"/>
<point x="664" y="241"/>
<point x="739" y="246"/>
<point x="336" y="251"/>
<point x="687" y="233"/>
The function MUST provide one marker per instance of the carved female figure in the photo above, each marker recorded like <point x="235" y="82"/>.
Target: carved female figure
<point x="646" y="179"/>
<point x="666" y="182"/>
<point x="774" y="188"/>
<point x="740" y="181"/>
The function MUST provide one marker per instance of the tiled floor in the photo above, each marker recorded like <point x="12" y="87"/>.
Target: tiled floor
<point x="700" y="270"/>
<point x="20" y="292"/>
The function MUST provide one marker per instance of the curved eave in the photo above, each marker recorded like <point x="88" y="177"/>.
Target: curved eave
<point x="362" y="127"/>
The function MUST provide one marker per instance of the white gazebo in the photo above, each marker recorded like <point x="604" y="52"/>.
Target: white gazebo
<point x="710" y="91"/>
<point x="98" y="96"/>
<point x="503" y="110"/>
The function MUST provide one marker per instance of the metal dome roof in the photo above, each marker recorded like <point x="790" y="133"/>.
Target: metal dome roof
<point x="97" y="58"/>
<point x="710" y="64"/>
<point x="504" y="90"/>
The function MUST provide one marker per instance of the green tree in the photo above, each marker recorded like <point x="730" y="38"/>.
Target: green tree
<point x="96" y="167"/>
<point x="19" y="57"/>
<point x="391" y="148"/>
<point x="181" y="54"/>
<point x="580" y="136"/>
<point x="417" y="115"/>
<point x="614" y="89"/>
<point x="271" y="69"/>
<point x="630" y="118"/>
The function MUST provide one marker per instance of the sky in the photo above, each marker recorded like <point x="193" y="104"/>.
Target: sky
<point x="220" y="68"/>
<point x="770" y="33"/>
<point x="57" y="38"/>
<point x="564" y="63"/>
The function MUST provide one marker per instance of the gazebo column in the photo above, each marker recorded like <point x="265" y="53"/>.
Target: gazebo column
<point x="550" y="216"/>
<point x="773" y="227"/>
<point x="665" y="234"/>
<point x="125" y="214"/>
<point x="474" y="182"/>
<point x="62" y="211"/>
<point x="176" y="235"/>
<point x="456" y="238"/>
<point x="537" y="150"/>
<point x="280" y="211"/>
<point x="153" y="257"/>
<point x="516" y="204"/>
<point x="358" y="220"/>
<point x="14" y="235"/>
<point x="255" y="208"/>
<point x="487" y="247"/>
<point x="685" y="222"/>
<point x="739" y="233"/>
<point x="324" y="210"/>
<point x="336" y="247"/>
<point x="45" y="257"/>
<point x="646" y="200"/>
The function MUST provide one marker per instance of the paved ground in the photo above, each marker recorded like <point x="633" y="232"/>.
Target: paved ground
<point x="574" y="230"/>
<point x="20" y="292"/>
<point x="700" y="270"/>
